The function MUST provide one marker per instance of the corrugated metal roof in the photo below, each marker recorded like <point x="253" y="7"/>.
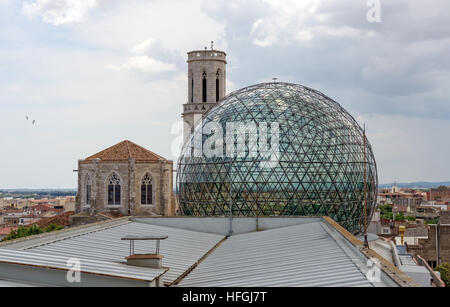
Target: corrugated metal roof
<point x="301" y="255"/>
<point x="181" y="249"/>
<point x="384" y="249"/>
<point x="86" y="265"/>
<point x="407" y="260"/>
<point x="8" y="283"/>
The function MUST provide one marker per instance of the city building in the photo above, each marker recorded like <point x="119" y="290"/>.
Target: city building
<point x="68" y="203"/>
<point x="435" y="247"/>
<point x="401" y="198"/>
<point x="441" y="194"/>
<point x="31" y="215"/>
<point x="11" y="216"/>
<point x="125" y="178"/>
<point x="11" y="202"/>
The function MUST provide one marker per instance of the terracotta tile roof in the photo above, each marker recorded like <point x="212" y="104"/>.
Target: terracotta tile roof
<point x="43" y="201"/>
<point x="6" y="230"/>
<point x="399" y="208"/>
<point x="9" y="210"/>
<point x="124" y="151"/>
<point x="42" y="207"/>
<point x="60" y="219"/>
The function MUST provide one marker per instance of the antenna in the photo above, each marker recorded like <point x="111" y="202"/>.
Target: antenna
<point x="212" y="45"/>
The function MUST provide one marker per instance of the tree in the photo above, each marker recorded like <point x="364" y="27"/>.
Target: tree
<point x="444" y="269"/>
<point x="52" y="227"/>
<point x="400" y="217"/>
<point x="23" y="231"/>
<point x="386" y="211"/>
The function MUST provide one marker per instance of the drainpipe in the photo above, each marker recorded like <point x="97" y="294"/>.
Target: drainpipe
<point x="129" y="187"/>
<point x="395" y="255"/>
<point x="438" y="247"/>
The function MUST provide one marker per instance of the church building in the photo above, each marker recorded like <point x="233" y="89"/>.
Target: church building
<point x="131" y="180"/>
<point x="128" y="179"/>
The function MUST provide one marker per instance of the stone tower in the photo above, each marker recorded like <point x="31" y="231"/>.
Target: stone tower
<point x="206" y="85"/>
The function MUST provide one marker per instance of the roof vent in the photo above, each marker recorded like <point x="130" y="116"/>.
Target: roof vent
<point x="145" y="260"/>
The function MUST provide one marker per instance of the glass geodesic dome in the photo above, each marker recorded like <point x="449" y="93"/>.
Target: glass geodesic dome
<point x="312" y="163"/>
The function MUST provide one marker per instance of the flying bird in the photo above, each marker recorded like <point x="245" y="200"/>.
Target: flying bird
<point x="28" y="118"/>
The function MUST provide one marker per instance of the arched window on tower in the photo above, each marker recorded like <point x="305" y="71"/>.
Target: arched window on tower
<point x="192" y="88"/>
<point x="217" y="85"/>
<point x="204" y="86"/>
<point x="88" y="189"/>
<point x="146" y="190"/>
<point x="114" y="186"/>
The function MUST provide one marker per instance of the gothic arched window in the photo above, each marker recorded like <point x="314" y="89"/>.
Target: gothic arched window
<point x="217" y="85"/>
<point x="204" y="86"/>
<point x="114" y="186"/>
<point x="88" y="189"/>
<point x="146" y="190"/>
<point x="192" y="88"/>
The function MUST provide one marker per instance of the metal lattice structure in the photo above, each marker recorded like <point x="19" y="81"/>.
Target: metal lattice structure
<point x="320" y="167"/>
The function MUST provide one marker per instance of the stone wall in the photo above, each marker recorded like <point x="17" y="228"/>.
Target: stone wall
<point x="130" y="174"/>
<point x="426" y="248"/>
<point x="162" y="174"/>
<point x="439" y="194"/>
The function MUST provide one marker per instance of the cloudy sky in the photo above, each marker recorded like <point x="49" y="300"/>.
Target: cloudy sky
<point x="92" y="73"/>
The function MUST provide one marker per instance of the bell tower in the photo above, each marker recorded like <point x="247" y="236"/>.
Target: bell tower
<point x="206" y="85"/>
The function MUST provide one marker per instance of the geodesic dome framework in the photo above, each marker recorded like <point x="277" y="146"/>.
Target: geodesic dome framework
<point x="319" y="169"/>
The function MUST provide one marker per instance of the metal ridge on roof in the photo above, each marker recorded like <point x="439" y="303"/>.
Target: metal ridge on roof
<point x="317" y="253"/>
<point x="89" y="266"/>
<point x="302" y="255"/>
<point x="313" y="254"/>
<point x="181" y="250"/>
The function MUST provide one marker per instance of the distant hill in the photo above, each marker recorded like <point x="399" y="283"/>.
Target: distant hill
<point x="38" y="192"/>
<point x="416" y="185"/>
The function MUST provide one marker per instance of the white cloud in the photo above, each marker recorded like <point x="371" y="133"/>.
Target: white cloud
<point x="299" y="21"/>
<point x="263" y="33"/>
<point x="14" y="87"/>
<point x="230" y="86"/>
<point x="59" y="12"/>
<point x="143" y="47"/>
<point x="176" y="25"/>
<point x="304" y="35"/>
<point x="143" y="63"/>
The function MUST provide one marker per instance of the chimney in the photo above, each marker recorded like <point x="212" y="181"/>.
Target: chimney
<point x="150" y="260"/>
